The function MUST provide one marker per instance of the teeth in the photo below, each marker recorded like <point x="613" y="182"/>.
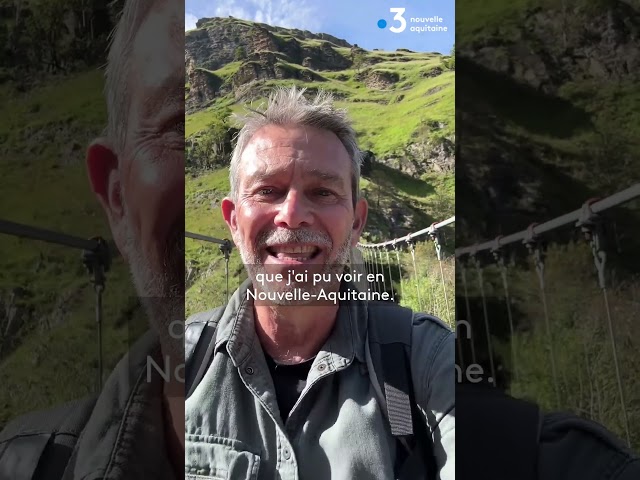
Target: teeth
<point x="295" y="250"/>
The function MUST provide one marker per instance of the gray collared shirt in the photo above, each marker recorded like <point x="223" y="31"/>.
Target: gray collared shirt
<point x="335" y="430"/>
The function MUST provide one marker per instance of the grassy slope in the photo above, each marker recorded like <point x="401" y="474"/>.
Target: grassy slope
<point x="45" y="185"/>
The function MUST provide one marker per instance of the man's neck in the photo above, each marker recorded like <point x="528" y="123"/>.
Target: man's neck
<point x="293" y="334"/>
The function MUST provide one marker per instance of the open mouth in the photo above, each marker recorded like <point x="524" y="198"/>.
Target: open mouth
<point x="294" y="253"/>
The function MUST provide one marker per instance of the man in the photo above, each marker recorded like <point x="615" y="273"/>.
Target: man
<point x="285" y="387"/>
<point x="134" y="429"/>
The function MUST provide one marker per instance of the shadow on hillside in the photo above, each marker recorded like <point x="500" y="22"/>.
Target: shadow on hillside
<point x="531" y="109"/>
<point x="400" y="181"/>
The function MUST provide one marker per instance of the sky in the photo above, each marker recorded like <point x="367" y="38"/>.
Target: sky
<point x="369" y="26"/>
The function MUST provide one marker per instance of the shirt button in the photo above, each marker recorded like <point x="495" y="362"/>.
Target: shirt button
<point x="322" y="367"/>
<point x="249" y="370"/>
<point x="286" y="453"/>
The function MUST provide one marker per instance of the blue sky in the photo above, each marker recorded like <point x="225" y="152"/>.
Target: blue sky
<point x="347" y="19"/>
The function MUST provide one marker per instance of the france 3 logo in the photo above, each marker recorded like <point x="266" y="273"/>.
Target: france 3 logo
<point x="382" y="23"/>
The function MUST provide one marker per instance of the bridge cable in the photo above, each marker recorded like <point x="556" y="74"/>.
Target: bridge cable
<point x="463" y="271"/>
<point x="476" y="263"/>
<point x="436" y="237"/>
<point x="369" y="268"/>
<point x="498" y="255"/>
<point x="377" y="267"/>
<point x="384" y="279"/>
<point x="415" y="269"/>
<point x="395" y="247"/>
<point x="533" y="245"/>
<point x="591" y="226"/>
<point x="393" y="293"/>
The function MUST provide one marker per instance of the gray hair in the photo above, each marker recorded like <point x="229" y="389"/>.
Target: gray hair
<point x="289" y="107"/>
<point x="117" y="86"/>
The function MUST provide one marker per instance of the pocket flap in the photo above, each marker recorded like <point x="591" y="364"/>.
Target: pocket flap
<point x="219" y="458"/>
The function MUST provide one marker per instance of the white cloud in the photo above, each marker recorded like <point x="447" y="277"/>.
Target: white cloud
<point x="283" y="13"/>
<point x="190" y="21"/>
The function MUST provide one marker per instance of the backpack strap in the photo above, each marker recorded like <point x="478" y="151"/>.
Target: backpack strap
<point x="39" y="445"/>
<point x="387" y="347"/>
<point x="199" y="334"/>
<point x="497" y="423"/>
<point x="388" y="357"/>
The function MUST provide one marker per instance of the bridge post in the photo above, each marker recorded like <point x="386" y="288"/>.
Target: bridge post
<point x="226" y="248"/>
<point x="98" y="262"/>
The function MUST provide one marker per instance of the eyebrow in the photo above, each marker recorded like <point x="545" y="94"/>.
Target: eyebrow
<point x="327" y="177"/>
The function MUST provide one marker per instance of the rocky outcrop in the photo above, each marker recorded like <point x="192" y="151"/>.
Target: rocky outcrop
<point x="270" y="69"/>
<point x="215" y="42"/>
<point x="554" y="46"/>
<point x="203" y="86"/>
<point x="262" y="52"/>
<point x="438" y="155"/>
<point x="433" y="72"/>
<point x="381" y="79"/>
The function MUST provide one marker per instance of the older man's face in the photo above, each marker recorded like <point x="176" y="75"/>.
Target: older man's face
<point x="141" y="186"/>
<point x="295" y="207"/>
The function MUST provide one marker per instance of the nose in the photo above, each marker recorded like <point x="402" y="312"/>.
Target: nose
<point x="294" y="212"/>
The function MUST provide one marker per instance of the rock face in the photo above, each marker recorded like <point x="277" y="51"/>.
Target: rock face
<point x="423" y="157"/>
<point x="215" y="43"/>
<point x="203" y="86"/>
<point x="553" y="46"/>
<point x="264" y="53"/>
<point x="536" y="61"/>
<point x="381" y="80"/>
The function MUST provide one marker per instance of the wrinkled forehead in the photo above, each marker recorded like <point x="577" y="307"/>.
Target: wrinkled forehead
<point x="304" y="142"/>
<point x="277" y="149"/>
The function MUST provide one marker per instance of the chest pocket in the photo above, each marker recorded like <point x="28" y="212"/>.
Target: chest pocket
<point x="217" y="458"/>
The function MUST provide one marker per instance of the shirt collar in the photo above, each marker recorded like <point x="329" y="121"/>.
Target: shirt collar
<point x="236" y="329"/>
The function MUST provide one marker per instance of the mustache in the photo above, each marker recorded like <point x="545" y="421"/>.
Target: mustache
<point x="284" y="235"/>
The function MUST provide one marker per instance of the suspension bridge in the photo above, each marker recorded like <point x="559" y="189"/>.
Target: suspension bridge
<point x="562" y="347"/>
<point x="398" y="267"/>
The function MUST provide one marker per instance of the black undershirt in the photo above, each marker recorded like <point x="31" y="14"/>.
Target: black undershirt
<point x="289" y="382"/>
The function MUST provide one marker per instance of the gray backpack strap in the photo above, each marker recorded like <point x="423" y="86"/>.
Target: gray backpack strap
<point x="388" y="349"/>
<point x="39" y="445"/>
<point x="388" y="356"/>
<point x="199" y="334"/>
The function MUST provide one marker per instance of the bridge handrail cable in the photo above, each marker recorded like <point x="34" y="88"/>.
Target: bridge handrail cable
<point x="411" y="236"/>
<point x="571" y="217"/>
